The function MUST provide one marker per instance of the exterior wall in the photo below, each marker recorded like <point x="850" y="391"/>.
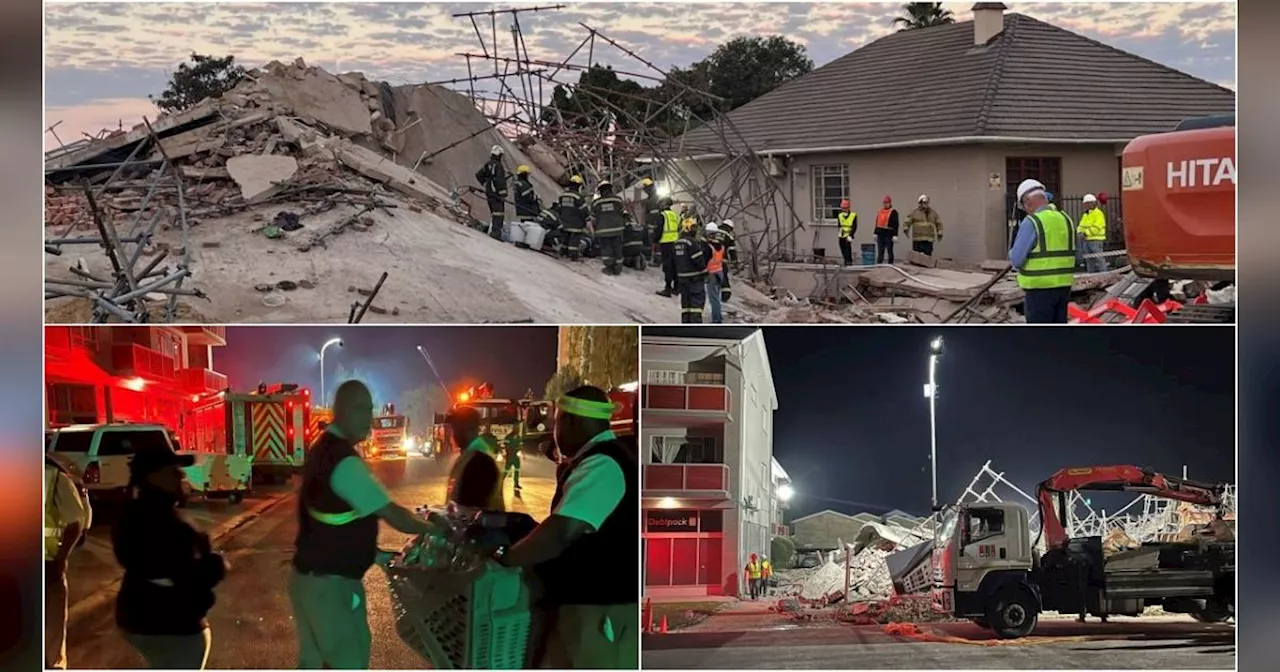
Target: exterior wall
<point x="825" y="530"/>
<point x="956" y="178"/>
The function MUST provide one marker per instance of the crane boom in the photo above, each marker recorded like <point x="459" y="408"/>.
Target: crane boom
<point x="1117" y="478"/>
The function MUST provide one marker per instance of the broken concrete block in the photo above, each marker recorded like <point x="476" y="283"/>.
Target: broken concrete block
<point x="299" y="63"/>
<point x="257" y="175"/>
<point x="351" y="80"/>
<point x="320" y="96"/>
<point x="292" y="131"/>
<point x="370" y="89"/>
<point x="191" y="142"/>
<point x="377" y="167"/>
<point x="193" y="173"/>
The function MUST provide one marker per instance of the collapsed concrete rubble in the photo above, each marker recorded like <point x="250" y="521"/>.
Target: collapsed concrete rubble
<point x="867" y="570"/>
<point x="300" y="189"/>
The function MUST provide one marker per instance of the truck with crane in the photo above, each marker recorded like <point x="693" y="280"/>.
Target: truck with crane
<point x="987" y="567"/>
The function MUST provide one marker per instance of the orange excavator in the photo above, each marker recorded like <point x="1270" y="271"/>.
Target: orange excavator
<point x="987" y="568"/>
<point x="1179" y="214"/>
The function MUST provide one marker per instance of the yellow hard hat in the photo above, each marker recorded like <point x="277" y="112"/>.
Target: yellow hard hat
<point x="647" y="182"/>
<point x="688" y="224"/>
<point x="523" y="170"/>
<point x="576" y="179"/>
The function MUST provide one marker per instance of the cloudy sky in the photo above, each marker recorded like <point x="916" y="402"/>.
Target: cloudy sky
<point x="102" y="60"/>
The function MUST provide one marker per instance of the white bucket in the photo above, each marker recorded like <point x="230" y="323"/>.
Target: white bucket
<point x="534" y="234"/>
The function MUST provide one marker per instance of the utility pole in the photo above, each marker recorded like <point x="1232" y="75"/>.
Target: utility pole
<point x="931" y="391"/>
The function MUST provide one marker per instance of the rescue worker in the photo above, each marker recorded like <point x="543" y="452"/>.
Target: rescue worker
<point x="1093" y="231"/>
<point x="730" y="245"/>
<point x="492" y="177"/>
<point x="717" y="275"/>
<point x="593" y="613"/>
<point x="848" y="220"/>
<point x="752" y="570"/>
<point x="766" y="574"/>
<point x="691" y="271"/>
<point x="528" y="205"/>
<point x="66" y="520"/>
<point x="170" y="567"/>
<point x="511" y="463"/>
<point x="886" y="231"/>
<point x="1052" y="202"/>
<point x="1044" y="255"/>
<point x="475" y="479"/>
<point x="609" y="216"/>
<point x="339" y="505"/>
<point x="653" y="207"/>
<point x="925" y="226"/>
<point x="572" y="212"/>
<point x="667" y="244"/>
<point x="635" y="244"/>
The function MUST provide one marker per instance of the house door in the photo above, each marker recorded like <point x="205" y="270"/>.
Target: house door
<point x="684" y="562"/>
<point x="657" y="564"/>
<point x="710" y="561"/>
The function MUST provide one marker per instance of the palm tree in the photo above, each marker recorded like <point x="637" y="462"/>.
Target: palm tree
<point x="923" y="15"/>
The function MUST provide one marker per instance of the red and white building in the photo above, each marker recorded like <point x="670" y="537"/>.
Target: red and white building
<point x="152" y="374"/>
<point x="709" y="485"/>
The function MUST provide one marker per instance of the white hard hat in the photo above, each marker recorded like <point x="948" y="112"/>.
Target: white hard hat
<point x="1090" y="198"/>
<point x="1028" y="186"/>
<point x="923" y="198"/>
<point x="728" y="223"/>
<point x="711" y="226"/>
<point x="496" y="151"/>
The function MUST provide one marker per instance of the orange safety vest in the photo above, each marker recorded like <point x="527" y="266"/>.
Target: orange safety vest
<point x="716" y="263"/>
<point x="882" y="218"/>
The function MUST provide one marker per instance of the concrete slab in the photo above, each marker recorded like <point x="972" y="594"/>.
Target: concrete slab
<point x="257" y="175"/>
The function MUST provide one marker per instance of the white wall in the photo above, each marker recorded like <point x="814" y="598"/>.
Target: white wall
<point x="754" y="466"/>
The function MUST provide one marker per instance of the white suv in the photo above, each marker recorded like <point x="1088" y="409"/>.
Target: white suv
<point x="99" y="455"/>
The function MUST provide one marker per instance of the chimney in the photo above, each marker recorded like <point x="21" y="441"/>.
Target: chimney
<point x="988" y="21"/>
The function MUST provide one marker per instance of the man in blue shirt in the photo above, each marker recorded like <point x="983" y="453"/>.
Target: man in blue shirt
<point x="1044" y="254"/>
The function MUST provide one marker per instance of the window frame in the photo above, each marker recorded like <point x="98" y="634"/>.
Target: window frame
<point x="822" y="211"/>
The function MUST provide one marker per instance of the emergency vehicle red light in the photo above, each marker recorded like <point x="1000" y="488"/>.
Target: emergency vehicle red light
<point x="289" y="405"/>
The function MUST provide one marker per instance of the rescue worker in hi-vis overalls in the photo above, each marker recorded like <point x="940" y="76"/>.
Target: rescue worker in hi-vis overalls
<point x="593" y="615"/>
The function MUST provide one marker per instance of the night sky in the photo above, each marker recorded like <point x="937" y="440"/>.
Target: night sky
<point x="853" y="421"/>
<point x="513" y="359"/>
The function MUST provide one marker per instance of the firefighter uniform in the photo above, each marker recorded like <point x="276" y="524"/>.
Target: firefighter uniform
<point x="492" y="177"/>
<point x="608" y="212"/>
<point x="691" y="274"/>
<point x="572" y="211"/>
<point x="667" y="242"/>
<point x="652" y="225"/>
<point x="730" y="243"/>
<point x="528" y="205"/>
<point x="635" y="246"/>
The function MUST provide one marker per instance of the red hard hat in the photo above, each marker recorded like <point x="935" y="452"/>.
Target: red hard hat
<point x="888" y="199"/>
<point x="844" y="205"/>
<point x="1102" y="197"/>
<point x="753" y="555"/>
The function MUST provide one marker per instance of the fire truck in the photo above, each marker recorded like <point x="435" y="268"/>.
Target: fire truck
<point x="389" y="436"/>
<point x="268" y="425"/>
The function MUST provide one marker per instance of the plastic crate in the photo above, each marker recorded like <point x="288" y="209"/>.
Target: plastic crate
<point x="480" y="619"/>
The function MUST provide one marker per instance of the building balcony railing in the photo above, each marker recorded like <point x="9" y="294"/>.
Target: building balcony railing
<point x="131" y="359"/>
<point x="704" y="401"/>
<point x="686" y="479"/>
<point x="57" y="339"/>
<point x="201" y="381"/>
<point x="205" y="335"/>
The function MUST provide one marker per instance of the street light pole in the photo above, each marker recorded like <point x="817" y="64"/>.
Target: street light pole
<point x="935" y="351"/>
<point x="333" y="341"/>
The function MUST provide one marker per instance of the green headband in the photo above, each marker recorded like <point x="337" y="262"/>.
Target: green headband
<point x="597" y="410"/>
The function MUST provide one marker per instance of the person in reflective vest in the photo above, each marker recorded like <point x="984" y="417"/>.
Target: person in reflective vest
<point x="652" y="224"/>
<point x="717" y="274"/>
<point x="691" y="271"/>
<point x="608" y="213"/>
<point x="339" y="505"/>
<point x="572" y="212"/>
<point x="730" y="245"/>
<point x="635" y="248"/>
<point x="475" y="479"/>
<point x="886" y="231"/>
<point x="667" y="244"/>
<point x="593" y="615"/>
<point x="848" y="220"/>
<point x="492" y="177"/>
<point x="66" y="519"/>
<point x="1093" y="231"/>
<point x="752" y="571"/>
<point x="766" y="574"/>
<point x="925" y="226"/>
<point x="1044" y="254"/>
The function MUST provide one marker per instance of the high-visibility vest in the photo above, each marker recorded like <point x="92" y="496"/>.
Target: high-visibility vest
<point x="882" y="218"/>
<point x="846" y="223"/>
<point x="1093" y="224"/>
<point x="766" y="569"/>
<point x="670" y="227"/>
<point x="753" y="570"/>
<point x="52" y="525"/>
<point x="716" y="263"/>
<point x="1052" y="262"/>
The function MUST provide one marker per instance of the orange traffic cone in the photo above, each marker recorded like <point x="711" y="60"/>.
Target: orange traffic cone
<point x="663" y="626"/>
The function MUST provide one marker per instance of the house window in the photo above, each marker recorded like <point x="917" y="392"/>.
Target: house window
<point x="702" y="378"/>
<point x="72" y="404"/>
<point x="830" y="186"/>
<point x="685" y="450"/>
<point x="664" y="377"/>
<point x="1046" y="169"/>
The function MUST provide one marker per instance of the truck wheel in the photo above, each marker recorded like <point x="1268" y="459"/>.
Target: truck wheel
<point x="235" y="497"/>
<point x="1013" y="613"/>
<point x="1215" y="611"/>
<point x="981" y="623"/>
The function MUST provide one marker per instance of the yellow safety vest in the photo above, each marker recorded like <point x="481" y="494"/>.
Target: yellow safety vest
<point x="670" y="227"/>
<point x="766" y="568"/>
<point x="1052" y="262"/>
<point x="53" y="525"/>
<point x="846" y="223"/>
<point x="1093" y="224"/>
<point x="753" y="570"/>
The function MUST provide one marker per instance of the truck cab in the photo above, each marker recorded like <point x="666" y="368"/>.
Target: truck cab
<point x="983" y="561"/>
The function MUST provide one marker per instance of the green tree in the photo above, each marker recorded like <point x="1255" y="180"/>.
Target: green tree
<point x="602" y="356"/>
<point x="923" y="15"/>
<point x="781" y="551"/>
<point x="204" y="77"/>
<point x="746" y="68"/>
<point x="562" y="381"/>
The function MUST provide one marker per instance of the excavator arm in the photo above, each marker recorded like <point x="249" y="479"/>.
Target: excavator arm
<point x="1121" y="478"/>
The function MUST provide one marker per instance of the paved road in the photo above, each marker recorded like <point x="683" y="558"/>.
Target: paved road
<point x="252" y="622"/>
<point x="1057" y="645"/>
